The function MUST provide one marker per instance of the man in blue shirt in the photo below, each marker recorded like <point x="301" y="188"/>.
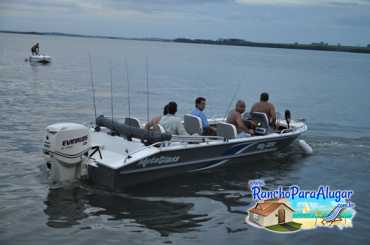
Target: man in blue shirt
<point x="200" y="105"/>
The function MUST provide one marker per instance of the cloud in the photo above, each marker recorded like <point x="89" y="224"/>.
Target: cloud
<point x="38" y="7"/>
<point x="306" y="2"/>
<point x="335" y="21"/>
<point x="88" y="5"/>
<point x="149" y="7"/>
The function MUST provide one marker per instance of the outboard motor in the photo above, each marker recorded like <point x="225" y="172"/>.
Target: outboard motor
<point x="65" y="150"/>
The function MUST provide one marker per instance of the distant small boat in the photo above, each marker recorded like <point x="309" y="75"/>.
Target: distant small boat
<point x="44" y="59"/>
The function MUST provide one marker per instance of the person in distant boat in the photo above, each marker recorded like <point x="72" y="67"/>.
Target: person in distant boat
<point x="235" y="118"/>
<point x="171" y="123"/>
<point x="35" y="50"/>
<point x="200" y="105"/>
<point x="155" y="120"/>
<point x="266" y="107"/>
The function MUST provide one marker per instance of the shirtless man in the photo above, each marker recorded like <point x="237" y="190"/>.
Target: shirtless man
<point x="266" y="107"/>
<point x="235" y="118"/>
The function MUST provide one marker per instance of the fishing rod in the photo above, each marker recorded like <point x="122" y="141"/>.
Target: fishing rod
<point x="147" y="89"/>
<point x="111" y="89"/>
<point x="232" y="99"/>
<point x="92" y="86"/>
<point x="128" y="90"/>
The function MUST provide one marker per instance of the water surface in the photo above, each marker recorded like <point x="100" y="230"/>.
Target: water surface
<point x="329" y="89"/>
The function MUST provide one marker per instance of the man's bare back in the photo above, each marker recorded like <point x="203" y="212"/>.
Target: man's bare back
<point x="265" y="107"/>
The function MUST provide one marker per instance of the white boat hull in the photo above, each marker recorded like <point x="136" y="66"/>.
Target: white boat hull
<point x="115" y="163"/>
<point x="40" y="59"/>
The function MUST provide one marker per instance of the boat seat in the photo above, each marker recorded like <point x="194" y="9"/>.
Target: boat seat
<point x="262" y="121"/>
<point x="193" y="124"/>
<point x="226" y="130"/>
<point x="133" y="122"/>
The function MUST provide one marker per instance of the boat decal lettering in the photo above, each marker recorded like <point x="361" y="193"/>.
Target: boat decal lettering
<point x="158" y="160"/>
<point x="267" y="145"/>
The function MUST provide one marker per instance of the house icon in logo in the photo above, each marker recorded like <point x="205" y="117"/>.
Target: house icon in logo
<point x="271" y="212"/>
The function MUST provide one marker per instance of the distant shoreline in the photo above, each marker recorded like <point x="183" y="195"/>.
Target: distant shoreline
<point x="224" y="42"/>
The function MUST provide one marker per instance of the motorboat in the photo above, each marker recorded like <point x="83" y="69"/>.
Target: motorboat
<point x="115" y="154"/>
<point x="44" y="59"/>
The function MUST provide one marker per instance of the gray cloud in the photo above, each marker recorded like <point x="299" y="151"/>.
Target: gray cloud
<point x="114" y="4"/>
<point x="154" y="6"/>
<point x="255" y="20"/>
<point x="306" y="2"/>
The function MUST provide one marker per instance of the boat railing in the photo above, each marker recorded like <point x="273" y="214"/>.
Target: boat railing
<point x="286" y="130"/>
<point x="195" y="138"/>
<point x="190" y="139"/>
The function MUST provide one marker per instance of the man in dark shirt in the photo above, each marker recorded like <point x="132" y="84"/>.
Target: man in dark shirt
<point x="35" y="50"/>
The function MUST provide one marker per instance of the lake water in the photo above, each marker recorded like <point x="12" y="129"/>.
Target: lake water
<point x="329" y="89"/>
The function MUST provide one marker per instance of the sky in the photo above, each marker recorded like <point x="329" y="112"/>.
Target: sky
<point x="303" y="21"/>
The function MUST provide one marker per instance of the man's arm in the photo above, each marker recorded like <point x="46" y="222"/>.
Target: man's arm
<point x="204" y="120"/>
<point x="240" y="123"/>
<point x="152" y="122"/>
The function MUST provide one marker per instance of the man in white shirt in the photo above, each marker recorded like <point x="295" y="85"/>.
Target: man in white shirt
<point x="171" y="123"/>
